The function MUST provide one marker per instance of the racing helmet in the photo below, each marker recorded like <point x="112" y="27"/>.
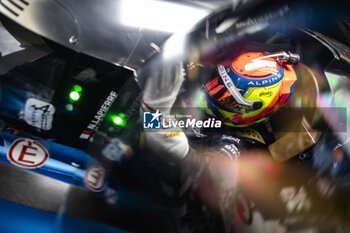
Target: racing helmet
<point x="251" y="88"/>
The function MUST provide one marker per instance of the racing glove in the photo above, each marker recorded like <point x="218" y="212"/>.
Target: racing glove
<point x="161" y="90"/>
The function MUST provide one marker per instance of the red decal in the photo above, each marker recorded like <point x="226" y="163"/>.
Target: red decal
<point x="95" y="178"/>
<point x="27" y="153"/>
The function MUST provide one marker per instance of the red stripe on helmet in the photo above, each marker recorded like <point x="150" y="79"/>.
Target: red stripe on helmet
<point x="211" y="84"/>
<point x="216" y="89"/>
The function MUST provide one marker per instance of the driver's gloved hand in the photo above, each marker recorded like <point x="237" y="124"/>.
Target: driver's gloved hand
<point x="161" y="88"/>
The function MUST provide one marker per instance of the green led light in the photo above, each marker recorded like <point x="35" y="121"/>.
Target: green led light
<point x="74" y="95"/>
<point x="118" y="119"/>
<point x="77" y="88"/>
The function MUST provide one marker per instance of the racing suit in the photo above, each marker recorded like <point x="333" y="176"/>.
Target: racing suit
<point x="279" y="189"/>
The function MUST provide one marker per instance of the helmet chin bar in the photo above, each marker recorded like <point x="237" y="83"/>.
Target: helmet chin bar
<point x="234" y="92"/>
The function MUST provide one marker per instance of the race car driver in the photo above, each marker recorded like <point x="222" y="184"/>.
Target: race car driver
<point x="243" y="95"/>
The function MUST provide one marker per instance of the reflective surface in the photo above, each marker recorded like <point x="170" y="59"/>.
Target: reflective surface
<point x="122" y="32"/>
<point x="124" y="122"/>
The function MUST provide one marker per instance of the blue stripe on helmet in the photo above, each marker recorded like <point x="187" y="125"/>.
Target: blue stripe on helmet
<point x="245" y="82"/>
